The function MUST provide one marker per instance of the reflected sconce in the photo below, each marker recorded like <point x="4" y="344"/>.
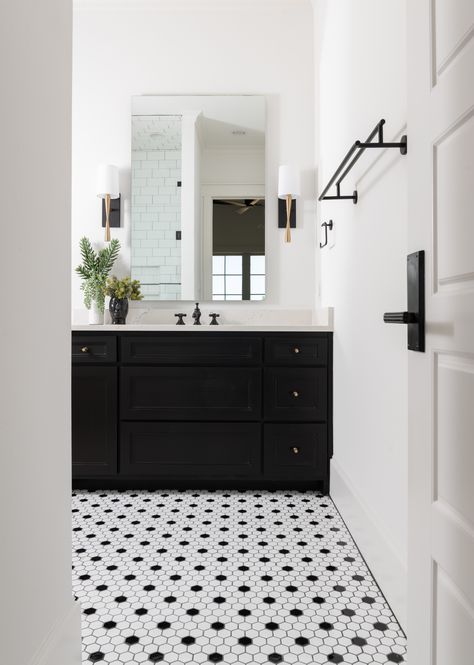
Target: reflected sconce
<point x="288" y="191"/>
<point x="108" y="191"/>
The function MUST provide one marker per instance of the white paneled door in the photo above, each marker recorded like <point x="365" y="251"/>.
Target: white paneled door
<point x="441" y="381"/>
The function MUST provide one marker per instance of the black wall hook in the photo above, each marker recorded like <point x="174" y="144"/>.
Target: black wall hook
<point x="327" y="225"/>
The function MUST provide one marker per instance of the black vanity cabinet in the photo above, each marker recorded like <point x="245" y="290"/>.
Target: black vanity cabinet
<point x="202" y="409"/>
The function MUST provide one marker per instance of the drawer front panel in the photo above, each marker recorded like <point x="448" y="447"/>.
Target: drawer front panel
<point x="295" y="451"/>
<point x="189" y="349"/>
<point x="89" y="349"/>
<point x="191" y="450"/>
<point x="298" y="394"/>
<point x="190" y="393"/>
<point x="296" y="351"/>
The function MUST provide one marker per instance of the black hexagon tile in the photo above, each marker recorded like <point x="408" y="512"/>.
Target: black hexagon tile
<point x="225" y="577"/>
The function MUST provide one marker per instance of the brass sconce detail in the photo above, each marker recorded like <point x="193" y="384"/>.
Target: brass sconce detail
<point x="108" y="189"/>
<point x="288" y="191"/>
<point x="288" y="214"/>
<point x="107" y="217"/>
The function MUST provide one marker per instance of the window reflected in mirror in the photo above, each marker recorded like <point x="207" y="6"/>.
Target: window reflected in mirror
<point x="238" y="249"/>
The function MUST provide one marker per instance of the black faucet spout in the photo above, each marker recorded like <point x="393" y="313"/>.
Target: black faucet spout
<point x="197" y="315"/>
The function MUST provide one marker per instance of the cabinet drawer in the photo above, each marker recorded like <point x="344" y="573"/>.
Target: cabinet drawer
<point x="190" y="393"/>
<point x="89" y="349"/>
<point x="295" y="451"/>
<point x="189" y="348"/>
<point x="296" y="394"/>
<point x="191" y="450"/>
<point x="296" y="351"/>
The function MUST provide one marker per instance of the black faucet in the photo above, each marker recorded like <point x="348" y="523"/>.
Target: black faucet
<point x="180" y="321"/>
<point x="214" y="318"/>
<point x="197" y="315"/>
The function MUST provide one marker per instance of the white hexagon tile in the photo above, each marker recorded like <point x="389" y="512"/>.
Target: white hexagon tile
<point x="225" y="577"/>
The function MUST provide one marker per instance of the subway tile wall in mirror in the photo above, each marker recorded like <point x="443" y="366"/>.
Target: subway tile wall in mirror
<point x="156" y="204"/>
<point x="198" y="197"/>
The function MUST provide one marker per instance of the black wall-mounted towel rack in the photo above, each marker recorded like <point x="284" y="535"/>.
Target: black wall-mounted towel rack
<point x="353" y="155"/>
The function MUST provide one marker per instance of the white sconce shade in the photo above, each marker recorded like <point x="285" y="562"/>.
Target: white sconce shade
<point x="107" y="181"/>
<point x="288" y="182"/>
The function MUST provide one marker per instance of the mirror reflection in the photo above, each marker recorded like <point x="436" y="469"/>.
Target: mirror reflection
<point x="238" y="249"/>
<point x="198" y="197"/>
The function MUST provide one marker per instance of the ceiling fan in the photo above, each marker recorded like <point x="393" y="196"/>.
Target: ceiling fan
<point x="243" y="206"/>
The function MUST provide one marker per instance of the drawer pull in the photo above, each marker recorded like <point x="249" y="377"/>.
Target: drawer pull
<point x="296" y="350"/>
<point x="295" y="450"/>
<point x="295" y="393"/>
<point x="85" y="349"/>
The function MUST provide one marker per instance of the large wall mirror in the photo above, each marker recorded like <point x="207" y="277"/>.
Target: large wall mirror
<point x="198" y="197"/>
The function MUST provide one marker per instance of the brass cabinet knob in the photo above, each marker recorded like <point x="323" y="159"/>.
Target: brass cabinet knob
<point x="85" y="349"/>
<point x="295" y="450"/>
<point x="295" y="393"/>
<point x="296" y="350"/>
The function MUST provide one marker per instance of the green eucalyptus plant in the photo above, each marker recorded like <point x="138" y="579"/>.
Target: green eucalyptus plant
<point x="95" y="269"/>
<point x="123" y="288"/>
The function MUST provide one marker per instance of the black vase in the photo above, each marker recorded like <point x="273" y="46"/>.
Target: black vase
<point x="118" y="308"/>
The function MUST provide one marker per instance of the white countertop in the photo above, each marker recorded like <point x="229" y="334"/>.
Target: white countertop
<point x="227" y="327"/>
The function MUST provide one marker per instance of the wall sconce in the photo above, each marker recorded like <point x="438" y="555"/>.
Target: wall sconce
<point x="288" y="190"/>
<point x="108" y="189"/>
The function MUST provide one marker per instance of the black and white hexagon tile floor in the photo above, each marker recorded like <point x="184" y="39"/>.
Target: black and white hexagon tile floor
<point x="225" y="577"/>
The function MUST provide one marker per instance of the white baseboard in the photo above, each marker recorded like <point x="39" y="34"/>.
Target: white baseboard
<point x="383" y="560"/>
<point x="62" y="646"/>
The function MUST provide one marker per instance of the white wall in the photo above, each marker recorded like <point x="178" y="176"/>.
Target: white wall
<point x="122" y="48"/>
<point x="362" y="78"/>
<point x="40" y="623"/>
<point x="240" y="167"/>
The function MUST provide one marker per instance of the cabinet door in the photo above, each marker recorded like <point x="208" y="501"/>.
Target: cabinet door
<point x="94" y="421"/>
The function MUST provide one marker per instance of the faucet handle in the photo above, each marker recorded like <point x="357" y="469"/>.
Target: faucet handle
<point x="214" y="318"/>
<point x="180" y="321"/>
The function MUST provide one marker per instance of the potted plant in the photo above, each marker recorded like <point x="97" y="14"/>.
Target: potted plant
<point x="94" y="270"/>
<point x="120" y="291"/>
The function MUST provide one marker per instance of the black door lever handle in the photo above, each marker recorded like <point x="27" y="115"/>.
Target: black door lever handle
<point x="414" y="318"/>
<point x="400" y="317"/>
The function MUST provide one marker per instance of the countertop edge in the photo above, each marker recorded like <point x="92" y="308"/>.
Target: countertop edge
<point x="150" y="327"/>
